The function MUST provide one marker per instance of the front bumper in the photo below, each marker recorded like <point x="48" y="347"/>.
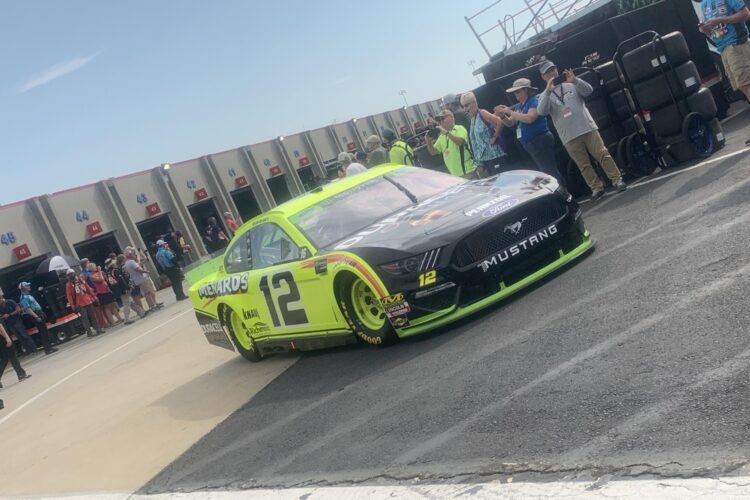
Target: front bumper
<point x="467" y="298"/>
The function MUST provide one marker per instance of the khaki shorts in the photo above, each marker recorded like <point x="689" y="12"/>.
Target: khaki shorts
<point x="147" y="286"/>
<point x="736" y="59"/>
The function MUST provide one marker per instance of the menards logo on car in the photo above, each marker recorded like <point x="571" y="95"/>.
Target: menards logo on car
<point x="226" y="286"/>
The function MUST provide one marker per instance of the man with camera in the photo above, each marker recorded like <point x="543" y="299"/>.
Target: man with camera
<point x="453" y="141"/>
<point x="460" y="116"/>
<point x="563" y="101"/>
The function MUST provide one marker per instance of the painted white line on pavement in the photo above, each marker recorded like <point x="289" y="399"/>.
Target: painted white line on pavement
<point x="661" y="489"/>
<point x="649" y="179"/>
<point x="88" y="365"/>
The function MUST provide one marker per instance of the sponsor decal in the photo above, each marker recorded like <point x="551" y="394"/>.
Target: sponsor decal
<point x="227" y="286"/>
<point x="514" y="228"/>
<point x="321" y="266"/>
<point x="395" y="305"/>
<point x="250" y="314"/>
<point x="214" y="331"/>
<point x="484" y="206"/>
<point x="516" y="249"/>
<point x="400" y="322"/>
<point x="434" y="289"/>
<point x="429" y="217"/>
<point x="499" y="208"/>
<point x="259" y="328"/>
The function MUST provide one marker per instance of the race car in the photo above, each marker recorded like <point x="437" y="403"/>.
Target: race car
<point x="385" y="254"/>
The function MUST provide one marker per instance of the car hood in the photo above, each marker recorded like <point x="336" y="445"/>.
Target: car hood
<point x="444" y="217"/>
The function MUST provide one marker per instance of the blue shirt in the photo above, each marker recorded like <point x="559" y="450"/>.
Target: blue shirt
<point x="165" y="257"/>
<point x="480" y="135"/>
<point x="722" y="35"/>
<point x="530" y="130"/>
<point x="29" y="302"/>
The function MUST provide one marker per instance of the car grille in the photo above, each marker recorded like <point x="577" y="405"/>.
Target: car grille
<point x="492" y="237"/>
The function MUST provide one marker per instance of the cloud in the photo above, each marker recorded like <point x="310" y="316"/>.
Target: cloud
<point x="343" y="79"/>
<point x="56" y="71"/>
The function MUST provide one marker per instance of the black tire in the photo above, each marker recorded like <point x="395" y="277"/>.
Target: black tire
<point x="251" y="354"/>
<point x="599" y="111"/>
<point x="621" y="156"/>
<point x="610" y="77"/>
<point x="62" y="333"/>
<point x="702" y="102"/>
<point x="611" y="135"/>
<point x="667" y="120"/>
<point x="655" y="92"/>
<point x="641" y="159"/>
<point x="718" y="131"/>
<point x="383" y="336"/>
<point x="592" y="78"/>
<point x="698" y="135"/>
<point x="645" y="61"/>
<point x="623" y="103"/>
<point x="629" y="126"/>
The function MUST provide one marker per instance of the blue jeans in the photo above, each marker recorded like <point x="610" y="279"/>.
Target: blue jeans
<point x="542" y="151"/>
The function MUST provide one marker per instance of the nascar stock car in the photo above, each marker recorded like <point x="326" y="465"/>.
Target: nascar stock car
<point x="382" y="255"/>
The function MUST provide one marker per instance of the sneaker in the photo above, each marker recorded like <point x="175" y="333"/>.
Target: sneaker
<point x="620" y="186"/>
<point x="91" y="334"/>
<point x="598" y="194"/>
<point x="24" y="377"/>
<point x="129" y="322"/>
<point x="2" y="405"/>
<point x="747" y="142"/>
<point x="159" y="305"/>
<point x="51" y="350"/>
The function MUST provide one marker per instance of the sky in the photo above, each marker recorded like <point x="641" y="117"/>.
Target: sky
<point x="94" y="89"/>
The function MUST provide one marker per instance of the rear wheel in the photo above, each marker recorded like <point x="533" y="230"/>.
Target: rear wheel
<point x="241" y="337"/>
<point x="364" y="312"/>
<point x="698" y="135"/>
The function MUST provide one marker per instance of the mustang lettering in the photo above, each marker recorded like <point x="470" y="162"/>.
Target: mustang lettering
<point x="516" y="249"/>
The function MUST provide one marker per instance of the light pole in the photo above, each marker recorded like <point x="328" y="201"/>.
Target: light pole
<point x="402" y="93"/>
<point x="471" y="63"/>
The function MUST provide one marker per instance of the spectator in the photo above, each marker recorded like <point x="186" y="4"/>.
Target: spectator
<point x="141" y="279"/>
<point x="8" y="354"/>
<point x="531" y="128"/>
<point x="486" y="137"/>
<point x="376" y="153"/>
<point x="215" y="237"/>
<point x="185" y="254"/>
<point x="577" y="130"/>
<point x="231" y="224"/>
<point x="452" y="102"/>
<point x="347" y="168"/>
<point x="11" y="314"/>
<point x="81" y="298"/>
<point x="30" y="306"/>
<point x="399" y="152"/>
<point x="168" y="262"/>
<point x="108" y="308"/>
<point x="724" y="24"/>
<point x="129" y="292"/>
<point x="453" y="143"/>
<point x="85" y="272"/>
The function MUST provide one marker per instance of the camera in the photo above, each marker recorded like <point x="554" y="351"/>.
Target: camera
<point x="559" y="79"/>
<point x="433" y="132"/>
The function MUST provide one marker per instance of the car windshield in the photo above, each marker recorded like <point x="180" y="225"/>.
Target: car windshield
<point x="343" y="214"/>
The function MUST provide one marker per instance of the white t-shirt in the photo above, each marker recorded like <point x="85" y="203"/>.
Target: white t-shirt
<point x="355" y="168"/>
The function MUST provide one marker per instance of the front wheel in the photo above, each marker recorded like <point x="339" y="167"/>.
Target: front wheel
<point x="364" y="312"/>
<point x="241" y="337"/>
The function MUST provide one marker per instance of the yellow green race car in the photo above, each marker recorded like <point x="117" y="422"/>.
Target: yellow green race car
<point x="382" y="255"/>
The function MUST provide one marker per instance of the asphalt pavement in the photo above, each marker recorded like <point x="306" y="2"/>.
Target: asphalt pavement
<point x="634" y="362"/>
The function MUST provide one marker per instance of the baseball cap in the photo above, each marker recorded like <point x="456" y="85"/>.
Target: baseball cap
<point x="389" y="134"/>
<point x="24" y="284"/>
<point x="373" y="139"/>
<point x="344" y="157"/>
<point x="521" y="83"/>
<point x="546" y="66"/>
<point x="443" y="113"/>
<point x="450" y="99"/>
<point x="160" y="242"/>
<point x="70" y="271"/>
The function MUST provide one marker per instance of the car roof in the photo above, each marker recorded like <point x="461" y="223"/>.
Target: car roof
<point x="325" y="191"/>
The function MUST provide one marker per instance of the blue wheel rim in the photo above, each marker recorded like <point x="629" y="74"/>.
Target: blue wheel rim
<point x="700" y="136"/>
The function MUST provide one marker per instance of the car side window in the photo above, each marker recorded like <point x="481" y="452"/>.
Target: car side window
<point x="270" y="245"/>
<point x="238" y="257"/>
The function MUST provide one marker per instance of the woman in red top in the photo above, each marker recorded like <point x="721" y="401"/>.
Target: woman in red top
<point x="107" y="305"/>
<point x="81" y="298"/>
